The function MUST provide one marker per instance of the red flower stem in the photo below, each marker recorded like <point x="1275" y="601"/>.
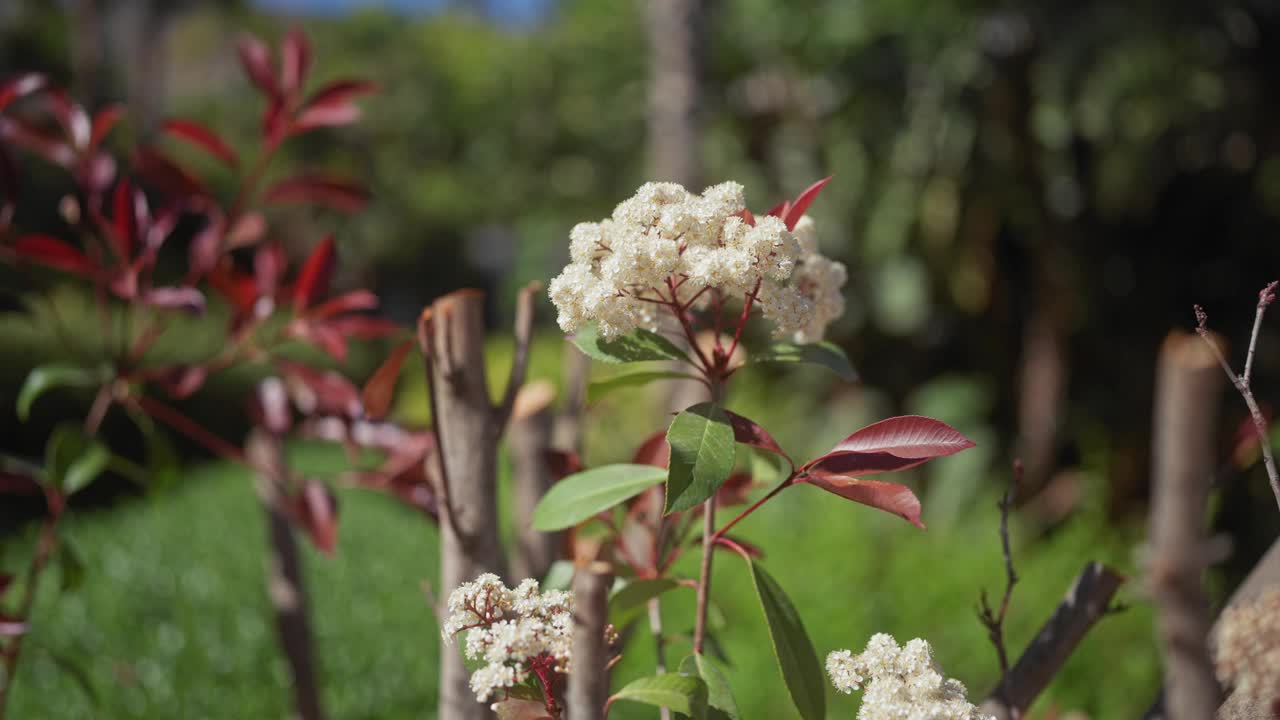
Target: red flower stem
<point x="785" y="484"/>
<point x="190" y="428"/>
<point x="707" y="368"/>
<point x="742" y="320"/>
<point x="45" y="547"/>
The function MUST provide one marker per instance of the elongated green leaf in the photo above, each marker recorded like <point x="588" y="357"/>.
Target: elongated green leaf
<point x="720" y="700"/>
<point x="70" y="565"/>
<point x="680" y="693"/>
<point x="635" y="346"/>
<point x="600" y="388"/>
<point x="629" y="601"/>
<point x="797" y="659"/>
<point x="826" y="354"/>
<point x="73" y="460"/>
<point x="584" y="494"/>
<point x="47" y="377"/>
<point x="702" y="450"/>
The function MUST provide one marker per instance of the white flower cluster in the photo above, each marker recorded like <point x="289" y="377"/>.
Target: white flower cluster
<point x="1247" y="647"/>
<point x="899" y="683"/>
<point x="667" y="244"/>
<point x="510" y="630"/>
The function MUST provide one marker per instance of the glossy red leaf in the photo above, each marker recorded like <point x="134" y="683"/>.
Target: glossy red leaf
<point x="187" y="299"/>
<point x="780" y="209"/>
<point x="332" y="105"/>
<point x="908" y="436"/>
<point x="353" y="301"/>
<point x="654" y="451"/>
<point x="23" y="84"/>
<point x="202" y="137"/>
<point x="295" y="61"/>
<point x="55" y="253"/>
<point x="803" y="201"/>
<point x="856" y="463"/>
<point x="324" y="336"/>
<point x="103" y="122"/>
<point x="255" y="57"/>
<point x="38" y="140"/>
<point x="320" y="392"/>
<point x="239" y="289"/>
<point x="380" y="389"/>
<point x="362" y="327"/>
<point x="319" y="515"/>
<point x="269" y="264"/>
<point x="164" y="174"/>
<point x="747" y="432"/>
<point x="890" y="497"/>
<point x="314" y="277"/>
<point x="124" y="221"/>
<point x="334" y="193"/>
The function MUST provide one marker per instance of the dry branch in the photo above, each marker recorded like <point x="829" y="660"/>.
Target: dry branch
<point x="285" y="586"/>
<point x="1187" y="392"/>
<point x="529" y="440"/>
<point x="1085" y="603"/>
<point x="992" y="619"/>
<point x="589" y="682"/>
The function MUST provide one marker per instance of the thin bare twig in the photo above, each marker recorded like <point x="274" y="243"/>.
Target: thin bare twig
<point x="1085" y="603"/>
<point x="991" y="619"/>
<point x="1243" y="382"/>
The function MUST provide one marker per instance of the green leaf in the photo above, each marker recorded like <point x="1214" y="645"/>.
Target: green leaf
<point x="627" y="603"/>
<point x="77" y="673"/>
<point x="47" y="377"/>
<point x="681" y="693"/>
<point x="635" y="346"/>
<point x="826" y="354"/>
<point x="584" y="494"/>
<point x="702" y="451"/>
<point x="797" y="659"/>
<point x="600" y="388"/>
<point x="719" y="697"/>
<point x="70" y="565"/>
<point x="73" y="460"/>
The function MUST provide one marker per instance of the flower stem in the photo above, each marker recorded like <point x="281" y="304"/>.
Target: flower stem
<point x="785" y="484"/>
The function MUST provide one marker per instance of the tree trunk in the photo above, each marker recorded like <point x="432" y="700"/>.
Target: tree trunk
<point x="589" y="683"/>
<point x="285" y="585"/>
<point x="529" y="440"/>
<point x="1188" y="386"/>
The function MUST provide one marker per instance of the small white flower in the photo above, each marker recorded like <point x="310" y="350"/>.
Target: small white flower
<point x="899" y="682"/>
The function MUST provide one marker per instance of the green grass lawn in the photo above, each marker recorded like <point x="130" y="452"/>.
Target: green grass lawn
<point x="172" y="621"/>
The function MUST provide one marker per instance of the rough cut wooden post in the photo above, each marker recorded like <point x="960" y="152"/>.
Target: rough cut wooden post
<point x="529" y="439"/>
<point x="1085" y="603"/>
<point x="674" y="29"/>
<point x="589" y="681"/>
<point x="466" y="476"/>
<point x="463" y="472"/>
<point x="1188" y="387"/>
<point x="285" y="585"/>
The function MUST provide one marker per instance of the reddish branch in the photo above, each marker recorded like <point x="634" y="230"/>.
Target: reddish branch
<point x="46" y="545"/>
<point x="1243" y="381"/>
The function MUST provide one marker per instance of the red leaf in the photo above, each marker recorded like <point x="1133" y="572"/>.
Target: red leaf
<point x="55" y="253"/>
<point x="205" y="247"/>
<point x="313" y="278"/>
<point x="742" y="547"/>
<point x="271" y="406"/>
<point x="734" y="490"/>
<point x="74" y="120"/>
<point x="240" y="289"/>
<point x="18" y="484"/>
<point x="335" y="193"/>
<point x="332" y="105"/>
<point x="803" y="201"/>
<point x="747" y="432"/>
<point x="890" y="497"/>
<point x="380" y="388"/>
<point x="38" y="140"/>
<point x="23" y="84"/>
<point x="319" y="515"/>
<point x="324" y="336"/>
<point x="858" y="463"/>
<point x="247" y="230"/>
<point x="124" y="229"/>
<point x="562" y="463"/>
<point x="908" y="436"/>
<point x="345" y="303"/>
<point x="255" y="56"/>
<point x="747" y="217"/>
<point x="203" y="138"/>
<point x="103" y="121"/>
<point x="780" y="209"/>
<point x="295" y="61"/>
<point x="362" y="327"/>
<point x="166" y="175"/>
<point x="320" y="392"/>
<point x="187" y="299"/>
<point x="269" y="263"/>
<point x="654" y="451"/>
